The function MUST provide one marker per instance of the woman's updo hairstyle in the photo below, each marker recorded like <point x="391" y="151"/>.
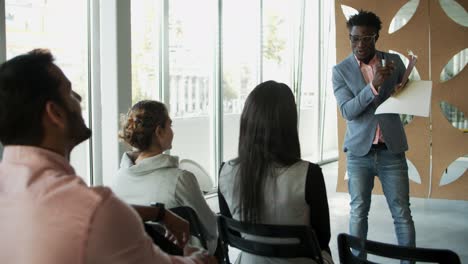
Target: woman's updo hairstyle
<point x="140" y="123"/>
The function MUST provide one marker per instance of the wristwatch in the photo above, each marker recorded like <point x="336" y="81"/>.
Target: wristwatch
<point x="162" y="212"/>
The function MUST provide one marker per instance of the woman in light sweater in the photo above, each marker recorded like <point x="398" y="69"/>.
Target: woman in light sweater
<point x="148" y="175"/>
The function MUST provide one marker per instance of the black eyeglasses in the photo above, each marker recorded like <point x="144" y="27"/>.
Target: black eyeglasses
<point x="364" y="39"/>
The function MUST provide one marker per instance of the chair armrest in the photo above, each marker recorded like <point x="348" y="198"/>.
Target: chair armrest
<point x="179" y="227"/>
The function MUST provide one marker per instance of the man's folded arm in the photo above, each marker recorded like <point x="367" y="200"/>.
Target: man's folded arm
<point x="116" y="235"/>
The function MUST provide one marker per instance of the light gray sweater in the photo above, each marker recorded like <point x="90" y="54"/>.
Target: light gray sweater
<point x="158" y="179"/>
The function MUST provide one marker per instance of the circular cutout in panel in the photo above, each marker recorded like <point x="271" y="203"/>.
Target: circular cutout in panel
<point x="413" y="173"/>
<point x="455" y="11"/>
<point x="455" y="65"/>
<point x="403" y="16"/>
<point x="414" y="74"/>
<point x="348" y="11"/>
<point x="454" y="171"/>
<point x="455" y="117"/>
<point x="406" y="119"/>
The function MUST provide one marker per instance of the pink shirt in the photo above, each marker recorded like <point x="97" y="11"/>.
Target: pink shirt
<point x="368" y="73"/>
<point x="48" y="215"/>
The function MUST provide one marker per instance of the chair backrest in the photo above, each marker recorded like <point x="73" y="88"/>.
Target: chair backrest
<point x="346" y="242"/>
<point x="196" y="227"/>
<point x="203" y="178"/>
<point x="156" y="232"/>
<point x="307" y="245"/>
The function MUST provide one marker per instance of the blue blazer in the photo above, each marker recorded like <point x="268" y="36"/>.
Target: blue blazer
<point x="357" y="104"/>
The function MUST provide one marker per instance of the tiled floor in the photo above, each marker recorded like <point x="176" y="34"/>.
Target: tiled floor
<point x="439" y="223"/>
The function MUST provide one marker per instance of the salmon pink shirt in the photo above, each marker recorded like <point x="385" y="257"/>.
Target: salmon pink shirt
<point x="48" y="215"/>
<point x="368" y="74"/>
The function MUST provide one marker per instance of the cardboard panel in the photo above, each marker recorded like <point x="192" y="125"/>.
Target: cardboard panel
<point x="386" y="10"/>
<point x="454" y="91"/>
<point x="448" y="38"/>
<point x="341" y="185"/>
<point x="410" y="37"/>
<point x="448" y="142"/>
<point x="413" y="36"/>
<point x="343" y="47"/>
<point x="463" y="3"/>
<point x="418" y="135"/>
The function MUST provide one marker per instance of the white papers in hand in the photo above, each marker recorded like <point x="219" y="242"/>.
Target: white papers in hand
<point x="414" y="99"/>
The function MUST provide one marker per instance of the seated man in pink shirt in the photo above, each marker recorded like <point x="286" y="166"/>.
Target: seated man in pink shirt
<point x="48" y="214"/>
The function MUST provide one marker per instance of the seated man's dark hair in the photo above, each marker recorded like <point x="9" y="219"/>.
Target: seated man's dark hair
<point x="365" y="18"/>
<point x="26" y="84"/>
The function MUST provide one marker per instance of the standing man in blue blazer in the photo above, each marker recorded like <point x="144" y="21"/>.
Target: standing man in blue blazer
<point x="374" y="144"/>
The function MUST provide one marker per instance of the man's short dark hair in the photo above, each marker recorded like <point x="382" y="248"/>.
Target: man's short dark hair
<point x="365" y="18"/>
<point x="26" y="84"/>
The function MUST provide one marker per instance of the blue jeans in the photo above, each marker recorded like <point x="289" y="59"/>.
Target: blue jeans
<point x="392" y="171"/>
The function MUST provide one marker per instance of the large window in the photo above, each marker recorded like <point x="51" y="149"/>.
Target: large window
<point x="309" y="121"/>
<point x="175" y="58"/>
<point x="34" y="24"/>
<point x="280" y="40"/>
<point x="191" y="51"/>
<point x="241" y="64"/>
<point x="318" y="119"/>
<point x="274" y="40"/>
<point x="328" y="114"/>
<point x="285" y="42"/>
<point x="145" y="26"/>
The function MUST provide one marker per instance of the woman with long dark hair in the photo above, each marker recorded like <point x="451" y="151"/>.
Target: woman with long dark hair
<point x="268" y="183"/>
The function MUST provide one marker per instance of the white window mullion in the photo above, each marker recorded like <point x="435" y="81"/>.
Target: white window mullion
<point x="218" y="96"/>
<point x="260" y="55"/>
<point x="115" y="65"/>
<point x="164" y="79"/>
<point x="297" y="75"/>
<point x="94" y="92"/>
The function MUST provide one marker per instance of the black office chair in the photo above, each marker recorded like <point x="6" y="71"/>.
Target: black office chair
<point x="156" y="232"/>
<point x="196" y="227"/>
<point x="307" y="247"/>
<point x="346" y="242"/>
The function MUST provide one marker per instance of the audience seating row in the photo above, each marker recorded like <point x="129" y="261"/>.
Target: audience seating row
<point x="301" y="243"/>
<point x="307" y="245"/>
